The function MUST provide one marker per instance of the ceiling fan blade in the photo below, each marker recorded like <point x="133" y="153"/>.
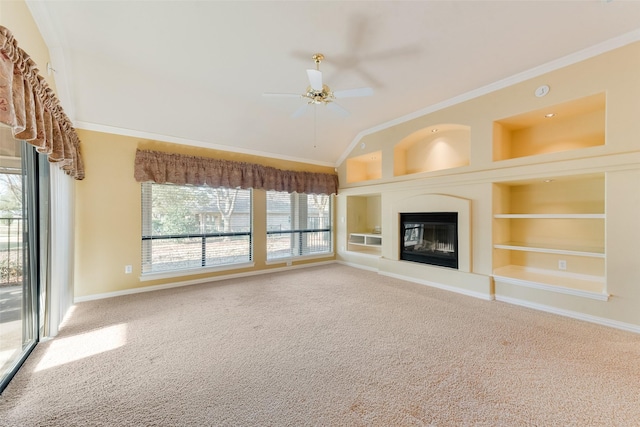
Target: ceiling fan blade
<point x="350" y="93"/>
<point x="300" y="111"/>
<point x="283" y="95"/>
<point x="315" y="79"/>
<point x="337" y="109"/>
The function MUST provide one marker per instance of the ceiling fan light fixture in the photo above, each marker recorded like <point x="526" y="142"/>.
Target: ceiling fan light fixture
<point x="318" y="93"/>
<point x="323" y="96"/>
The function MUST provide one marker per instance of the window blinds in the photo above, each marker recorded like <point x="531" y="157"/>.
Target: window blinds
<point x="186" y="227"/>
<point x="298" y="225"/>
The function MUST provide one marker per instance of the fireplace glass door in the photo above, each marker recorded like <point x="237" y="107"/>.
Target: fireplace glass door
<point x="430" y="238"/>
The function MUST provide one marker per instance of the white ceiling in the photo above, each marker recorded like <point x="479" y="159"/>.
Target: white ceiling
<point x="194" y="71"/>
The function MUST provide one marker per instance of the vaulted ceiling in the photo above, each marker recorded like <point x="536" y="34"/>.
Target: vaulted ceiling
<point x="194" y="72"/>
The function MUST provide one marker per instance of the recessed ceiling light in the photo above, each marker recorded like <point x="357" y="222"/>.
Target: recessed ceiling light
<point x="549" y="115"/>
<point x="549" y="180"/>
<point x="434" y="130"/>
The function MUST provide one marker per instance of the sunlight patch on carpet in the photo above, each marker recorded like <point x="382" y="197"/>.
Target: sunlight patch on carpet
<point x="77" y="347"/>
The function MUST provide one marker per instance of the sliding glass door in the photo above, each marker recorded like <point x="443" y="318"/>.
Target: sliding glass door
<point x="19" y="253"/>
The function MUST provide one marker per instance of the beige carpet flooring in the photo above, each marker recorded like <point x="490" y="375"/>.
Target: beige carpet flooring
<point x="324" y="346"/>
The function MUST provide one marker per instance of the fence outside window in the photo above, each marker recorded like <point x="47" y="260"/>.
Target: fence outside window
<point x="11" y="251"/>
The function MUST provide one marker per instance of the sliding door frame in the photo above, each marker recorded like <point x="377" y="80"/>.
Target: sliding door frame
<point x="35" y="186"/>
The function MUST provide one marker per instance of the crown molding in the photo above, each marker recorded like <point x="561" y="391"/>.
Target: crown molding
<point x="191" y="142"/>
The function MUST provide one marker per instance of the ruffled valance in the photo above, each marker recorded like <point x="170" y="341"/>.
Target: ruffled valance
<point x="29" y="106"/>
<point x="171" y="168"/>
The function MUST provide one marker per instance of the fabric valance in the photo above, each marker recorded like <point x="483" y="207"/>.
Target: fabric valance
<point x="30" y="108"/>
<point x="172" y="168"/>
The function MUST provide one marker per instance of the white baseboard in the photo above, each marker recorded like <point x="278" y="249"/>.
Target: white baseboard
<point x="360" y="266"/>
<point x="195" y="282"/>
<point x="572" y="314"/>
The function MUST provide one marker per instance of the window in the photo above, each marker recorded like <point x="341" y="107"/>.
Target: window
<point x="187" y="227"/>
<point x="298" y="225"/>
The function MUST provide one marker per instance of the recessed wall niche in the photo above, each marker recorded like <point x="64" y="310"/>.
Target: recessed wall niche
<point x="572" y="125"/>
<point x="365" y="167"/>
<point x="438" y="147"/>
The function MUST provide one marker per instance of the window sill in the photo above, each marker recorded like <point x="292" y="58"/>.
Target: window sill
<point x="289" y="260"/>
<point x="193" y="271"/>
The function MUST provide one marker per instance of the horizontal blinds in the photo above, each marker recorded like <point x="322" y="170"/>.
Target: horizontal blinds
<point x="298" y="225"/>
<point x="185" y="227"/>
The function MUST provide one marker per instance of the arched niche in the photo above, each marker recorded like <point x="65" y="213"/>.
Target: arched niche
<point x="437" y="147"/>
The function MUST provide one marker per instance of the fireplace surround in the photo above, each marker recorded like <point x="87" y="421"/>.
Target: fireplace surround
<point x="417" y="203"/>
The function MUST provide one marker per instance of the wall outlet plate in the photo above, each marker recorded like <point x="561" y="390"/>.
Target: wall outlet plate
<point x="128" y="269"/>
<point x="562" y="264"/>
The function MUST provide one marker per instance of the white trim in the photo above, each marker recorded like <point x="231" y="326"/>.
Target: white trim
<point x="192" y="142"/>
<point x="192" y="271"/>
<point x="360" y="266"/>
<point x="487" y="297"/>
<point x="194" y="282"/>
<point x="570" y="59"/>
<point x="572" y="314"/>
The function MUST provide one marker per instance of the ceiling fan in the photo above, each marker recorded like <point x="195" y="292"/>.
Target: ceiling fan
<point x="319" y="93"/>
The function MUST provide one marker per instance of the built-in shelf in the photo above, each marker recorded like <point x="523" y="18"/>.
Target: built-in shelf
<point x="363" y="239"/>
<point x="593" y="252"/>
<point x="551" y="216"/>
<point x="559" y="282"/>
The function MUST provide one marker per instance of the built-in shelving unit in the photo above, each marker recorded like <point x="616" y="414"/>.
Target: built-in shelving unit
<point x="362" y="239"/>
<point x="569" y="126"/>
<point x="363" y="224"/>
<point x="550" y="234"/>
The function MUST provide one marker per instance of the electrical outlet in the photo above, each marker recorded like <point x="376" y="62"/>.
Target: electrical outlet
<point x="288" y="263"/>
<point x="562" y="264"/>
<point x="128" y="269"/>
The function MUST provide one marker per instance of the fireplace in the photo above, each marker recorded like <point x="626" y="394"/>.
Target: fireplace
<point x="429" y="238"/>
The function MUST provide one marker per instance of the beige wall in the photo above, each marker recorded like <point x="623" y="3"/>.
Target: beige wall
<point x="108" y="213"/>
<point x="614" y="74"/>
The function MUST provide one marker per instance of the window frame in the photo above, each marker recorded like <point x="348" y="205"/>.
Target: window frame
<point x="301" y="255"/>
<point x="147" y="235"/>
